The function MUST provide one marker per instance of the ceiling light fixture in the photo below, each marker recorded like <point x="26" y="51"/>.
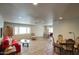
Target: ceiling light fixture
<point x="35" y="3"/>
<point x="20" y="17"/>
<point x="60" y="18"/>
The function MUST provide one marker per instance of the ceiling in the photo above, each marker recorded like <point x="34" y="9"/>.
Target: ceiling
<point x="44" y="13"/>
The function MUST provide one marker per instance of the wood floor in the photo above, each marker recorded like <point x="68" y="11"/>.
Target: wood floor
<point x="40" y="46"/>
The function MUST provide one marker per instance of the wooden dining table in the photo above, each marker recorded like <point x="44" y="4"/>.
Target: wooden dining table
<point x="61" y="47"/>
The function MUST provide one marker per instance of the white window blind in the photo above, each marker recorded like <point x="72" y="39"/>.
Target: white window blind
<point x="50" y="29"/>
<point x="21" y="30"/>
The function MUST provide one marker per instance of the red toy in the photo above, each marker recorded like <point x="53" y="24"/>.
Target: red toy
<point x="17" y="46"/>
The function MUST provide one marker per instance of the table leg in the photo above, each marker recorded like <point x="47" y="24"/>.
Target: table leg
<point x="27" y="44"/>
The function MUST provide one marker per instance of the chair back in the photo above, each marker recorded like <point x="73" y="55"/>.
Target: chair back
<point x="70" y="44"/>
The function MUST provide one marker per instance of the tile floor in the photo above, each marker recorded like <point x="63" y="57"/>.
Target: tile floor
<point x="40" y="46"/>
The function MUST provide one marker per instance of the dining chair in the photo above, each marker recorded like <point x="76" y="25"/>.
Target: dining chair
<point x="77" y="50"/>
<point x="69" y="47"/>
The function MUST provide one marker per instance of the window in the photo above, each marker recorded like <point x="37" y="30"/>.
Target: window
<point x="21" y="30"/>
<point x="16" y="30"/>
<point x="50" y="29"/>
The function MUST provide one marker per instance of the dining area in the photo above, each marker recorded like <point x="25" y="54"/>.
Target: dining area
<point x="66" y="46"/>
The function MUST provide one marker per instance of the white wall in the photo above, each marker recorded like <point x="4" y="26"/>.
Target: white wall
<point x="65" y="26"/>
<point x="38" y="30"/>
<point x="1" y="23"/>
<point x="1" y="26"/>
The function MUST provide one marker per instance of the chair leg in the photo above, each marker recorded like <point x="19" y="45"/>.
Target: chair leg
<point x="61" y="51"/>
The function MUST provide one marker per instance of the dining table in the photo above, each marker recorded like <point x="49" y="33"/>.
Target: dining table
<point x="60" y="48"/>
